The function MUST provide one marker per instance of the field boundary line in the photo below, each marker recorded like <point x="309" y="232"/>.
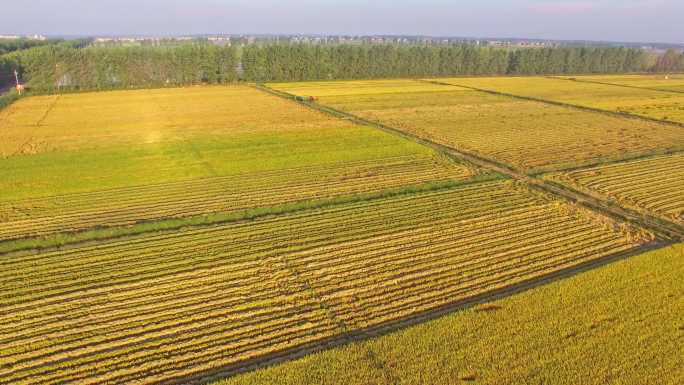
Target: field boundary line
<point x="602" y="161"/>
<point x="448" y="152"/>
<point x="283" y="264"/>
<point x="415" y="319"/>
<point x="663" y="229"/>
<point x="40" y="121"/>
<point x="560" y="104"/>
<point x="552" y="179"/>
<point x="346" y="335"/>
<point x="202" y="160"/>
<point x="637" y="157"/>
<point x="612" y="84"/>
<point x="161" y="184"/>
<point x="62" y="241"/>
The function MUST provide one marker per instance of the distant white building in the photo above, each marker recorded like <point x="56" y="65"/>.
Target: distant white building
<point x="30" y="37"/>
<point x="220" y="40"/>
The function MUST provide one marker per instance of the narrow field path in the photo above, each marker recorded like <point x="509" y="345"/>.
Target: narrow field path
<point x="615" y="84"/>
<point x="561" y="104"/>
<point x="663" y="229"/>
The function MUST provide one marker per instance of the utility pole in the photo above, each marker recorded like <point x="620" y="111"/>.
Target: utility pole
<point x="16" y="77"/>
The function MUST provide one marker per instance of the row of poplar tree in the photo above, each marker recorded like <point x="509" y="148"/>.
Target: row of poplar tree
<point x="55" y="67"/>
<point x="306" y="62"/>
<point x="68" y="66"/>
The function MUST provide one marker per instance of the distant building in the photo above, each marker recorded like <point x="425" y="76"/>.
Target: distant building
<point x="219" y="40"/>
<point x="29" y="37"/>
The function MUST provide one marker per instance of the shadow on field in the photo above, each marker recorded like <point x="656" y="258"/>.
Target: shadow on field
<point x="391" y="326"/>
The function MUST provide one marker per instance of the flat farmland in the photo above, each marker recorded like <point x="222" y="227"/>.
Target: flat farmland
<point x="650" y="103"/>
<point x="356" y="87"/>
<point x="81" y="161"/>
<point x="653" y="184"/>
<point x="184" y="235"/>
<point x="178" y="307"/>
<point x="663" y="82"/>
<point x="531" y="136"/>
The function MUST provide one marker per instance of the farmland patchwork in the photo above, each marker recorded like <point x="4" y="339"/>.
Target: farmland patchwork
<point x="182" y="235"/>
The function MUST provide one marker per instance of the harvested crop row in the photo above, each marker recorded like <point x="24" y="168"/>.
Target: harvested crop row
<point x="655" y="184"/>
<point x="148" y="298"/>
<point x="60" y="274"/>
<point x="180" y="305"/>
<point x="470" y="194"/>
<point x="128" y="206"/>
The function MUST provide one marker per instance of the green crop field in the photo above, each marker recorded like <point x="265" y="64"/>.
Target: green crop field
<point x="529" y="135"/>
<point x="187" y="235"/>
<point x="650" y="103"/>
<point x="621" y="324"/>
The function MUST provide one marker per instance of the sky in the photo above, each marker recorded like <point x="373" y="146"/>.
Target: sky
<point x="605" y="20"/>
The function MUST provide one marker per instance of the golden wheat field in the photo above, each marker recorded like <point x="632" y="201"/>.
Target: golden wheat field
<point x="186" y="235"/>
<point x="528" y="135"/>
<point x="650" y="103"/>
<point x="103" y="119"/>
<point x="663" y="82"/>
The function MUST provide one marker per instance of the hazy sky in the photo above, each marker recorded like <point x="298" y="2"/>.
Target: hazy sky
<point x="622" y="20"/>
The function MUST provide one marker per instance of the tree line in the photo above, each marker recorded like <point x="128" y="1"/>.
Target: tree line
<point x="11" y="45"/>
<point x="670" y="61"/>
<point x="318" y="62"/>
<point x="52" y="68"/>
<point x="78" y="66"/>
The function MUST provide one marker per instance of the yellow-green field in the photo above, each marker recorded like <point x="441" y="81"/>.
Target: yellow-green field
<point x="661" y="105"/>
<point x="528" y="135"/>
<point x="81" y="161"/>
<point x="180" y="236"/>
<point x="664" y="82"/>
<point x="356" y="87"/>
<point x="620" y="324"/>
<point x="207" y="301"/>
<point x="652" y="184"/>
